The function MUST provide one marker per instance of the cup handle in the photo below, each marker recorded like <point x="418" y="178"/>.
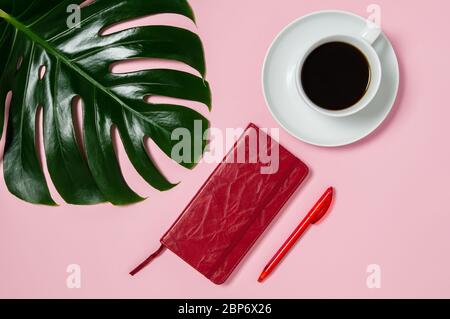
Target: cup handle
<point x="371" y="33"/>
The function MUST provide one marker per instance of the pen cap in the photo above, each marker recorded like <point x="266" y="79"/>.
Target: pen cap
<point x="322" y="206"/>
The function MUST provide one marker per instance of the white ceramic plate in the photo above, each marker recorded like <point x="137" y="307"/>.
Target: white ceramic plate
<point x="287" y="106"/>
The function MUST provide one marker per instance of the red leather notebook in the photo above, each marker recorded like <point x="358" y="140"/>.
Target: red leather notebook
<point x="233" y="207"/>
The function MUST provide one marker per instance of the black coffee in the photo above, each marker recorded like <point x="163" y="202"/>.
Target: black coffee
<point x="335" y="76"/>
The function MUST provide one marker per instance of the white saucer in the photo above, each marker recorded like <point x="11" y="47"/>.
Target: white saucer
<point x="287" y="106"/>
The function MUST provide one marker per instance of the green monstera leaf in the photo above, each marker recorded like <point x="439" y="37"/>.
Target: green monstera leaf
<point x="77" y="60"/>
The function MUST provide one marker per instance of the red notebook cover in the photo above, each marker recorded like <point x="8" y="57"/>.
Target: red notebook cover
<point x="233" y="207"/>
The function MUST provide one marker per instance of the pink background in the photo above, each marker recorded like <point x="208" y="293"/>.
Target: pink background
<point x="392" y="188"/>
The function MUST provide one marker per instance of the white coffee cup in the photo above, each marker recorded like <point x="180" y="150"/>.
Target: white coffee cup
<point x="364" y="43"/>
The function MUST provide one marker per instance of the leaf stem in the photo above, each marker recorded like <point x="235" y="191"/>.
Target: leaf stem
<point x="3" y="14"/>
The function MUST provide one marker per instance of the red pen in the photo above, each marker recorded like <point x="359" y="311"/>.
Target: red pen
<point x="314" y="215"/>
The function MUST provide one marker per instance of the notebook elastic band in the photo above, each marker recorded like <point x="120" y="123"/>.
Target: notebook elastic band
<point x="148" y="260"/>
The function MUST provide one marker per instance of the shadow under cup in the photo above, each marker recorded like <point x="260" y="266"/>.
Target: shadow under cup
<point x="339" y="75"/>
